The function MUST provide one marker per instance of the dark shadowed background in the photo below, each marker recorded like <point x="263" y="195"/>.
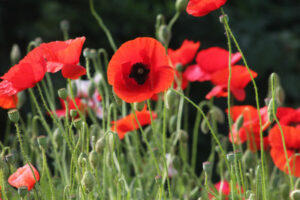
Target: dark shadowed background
<point x="268" y="32"/>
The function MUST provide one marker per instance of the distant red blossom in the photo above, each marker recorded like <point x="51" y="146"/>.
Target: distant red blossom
<point x="223" y="188"/>
<point x="24" y="177"/>
<point x="139" y="69"/>
<point x="199" y="8"/>
<point x="71" y="106"/>
<point x="208" y="62"/>
<point x="250" y="129"/>
<point x="292" y="142"/>
<point x="239" y="80"/>
<point x="129" y="123"/>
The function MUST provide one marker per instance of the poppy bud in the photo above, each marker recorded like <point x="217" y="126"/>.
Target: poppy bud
<point x="180" y="5"/>
<point x="204" y="127"/>
<point x="86" y="52"/>
<point x="217" y="114"/>
<point x="21" y="99"/>
<point x="117" y="99"/>
<point x="88" y="181"/>
<point x="15" y="54"/>
<point x="207" y="167"/>
<point x="62" y="93"/>
<point x="271" y="112"/>
<point x="170" y="98"/>
<point x="183" y="135"/>
<point x="172" y="123"/>
<point x="224" y="18"/>
<point x="77" y="123"/>
<point x="82" y="158"/>
<point x="14" y="115"/>
<point x="64" y="25"/>
<point x="22" y="191"/>
<point x="42" y="141"/>
<point x="111" y="141"/>
<point x="100" y="145"/>
<point x="139" y="105"/>
<point x="248" y="159"/>
<point x="94" y="159"/>
<point x="164" y="34"/>
<point x="295" y="195"/>
<point x="91" y="89"/>
<point x="73" y="113"/>
<point x="239" y="122"/>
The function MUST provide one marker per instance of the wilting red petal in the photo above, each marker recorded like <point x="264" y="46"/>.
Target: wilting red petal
<point x="147" y="54"/>
<point x="73" y="71"/>
<point x="8" y="102"/>
<point x="185" y="53"/>
<point x="24" y="177"/>
<point x="129" y="123"/>
<point x="292" y="142"/>
<point x="200" y="8"/>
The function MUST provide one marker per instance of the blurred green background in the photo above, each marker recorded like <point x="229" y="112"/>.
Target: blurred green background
<point x="268" y="32"/>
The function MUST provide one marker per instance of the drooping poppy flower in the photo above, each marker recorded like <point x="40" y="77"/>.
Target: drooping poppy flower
<point x="292" y="142"/>
<point x="8" y="102"/>
<point x="24" y="177"/>
<point x="129" y="123"/>
<point x="139" y="69"/>
<point x="223" y="189"/>
<point x="250" y="129"/>
<point x="62" y="112"/>
<point x="210" y="61"/>
<point x="239" y="80"/>
<point x="199" y="8"/>
<point x="60" y="55"/>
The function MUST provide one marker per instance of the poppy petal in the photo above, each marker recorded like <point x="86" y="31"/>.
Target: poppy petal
<point x="195" y="73"/>
<point x="200" y="8"/>
<point x="8" y="102"/>
<point x="73" y="71"/>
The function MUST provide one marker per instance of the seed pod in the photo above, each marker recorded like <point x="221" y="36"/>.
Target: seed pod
<point x="14" y="115"/>
<point x="88" y="181"/>
<point x="62" y="93"/>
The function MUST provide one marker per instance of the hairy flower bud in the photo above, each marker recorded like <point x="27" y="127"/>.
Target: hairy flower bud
<point x="94" y="159"/>
<point x="224" y="18"/>
<point x="15" y="54"/>
<point x="180" y="5"/>
<point x="239" y="122"/>
<point x="164" y="34"/>
<point x="100" y="145"/>
<point x="217" y="114"/>
<point x="272" y="109"/>
<point x="62" y="93"/>
<point x="64" y="25"/>
<point x="88" y="181"/>
<point x="204" y="127"/>
<point x="170" y="98"/>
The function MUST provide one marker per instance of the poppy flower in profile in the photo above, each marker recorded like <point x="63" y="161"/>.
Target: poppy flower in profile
<point x="60" y="55"/>
<point x="223" y="189"/>
<point x="239" y="80"/>
<point x="62" y="112"/>
<point x="199" y="8"/>
<point x="8" y="102"/>
<point x="24" y="177"/>
<point x="292" y="142"/>
<point x="250" y="129"/>
<point x="208" y="62"/>
<point x="129" y="123"/>
<point x="139" y="69"/>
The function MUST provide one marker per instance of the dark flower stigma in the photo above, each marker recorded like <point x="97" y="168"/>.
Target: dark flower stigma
<point x="139" y="72"/>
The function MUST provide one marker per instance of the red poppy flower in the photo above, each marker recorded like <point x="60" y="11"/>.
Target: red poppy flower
<point x="292" y="142"/>
<point x="24" y="177"/>
<point x="223" y="188"/>
<point x="200" y="8"/>
<point x="71" y="105"/>
<point x="129" y="123"/>
<point x="210" y="61"/>
<point x="8" y="102"/>
<point x="139" y="69"/>
<point x="289" y="116"/>
<point x="239" y="80"/>
<point x="185" y="54"/>
<point x="250" y="129"/>
<point x="60" y="55"/>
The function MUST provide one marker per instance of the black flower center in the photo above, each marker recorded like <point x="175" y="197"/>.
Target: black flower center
<point x="139" y="72"/>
